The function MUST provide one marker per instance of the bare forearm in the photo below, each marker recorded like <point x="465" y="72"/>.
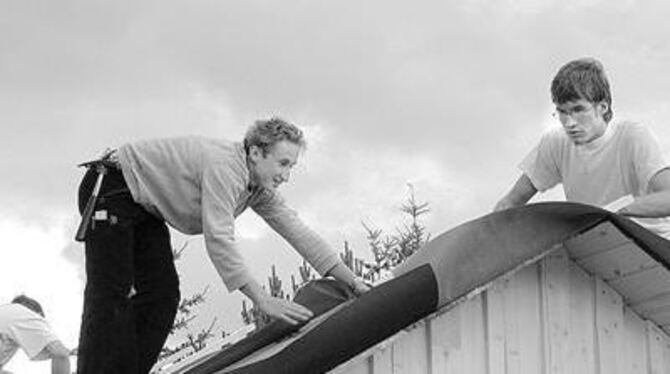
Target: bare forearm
<point x="60" y="365"/>
<point x="59" y="355"/>
<point x="508" y="203"/>
<point x="650" y="206"/>
<point x="522" y="191"/>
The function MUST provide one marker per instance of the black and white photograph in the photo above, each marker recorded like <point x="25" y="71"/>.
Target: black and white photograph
<point x="372" y="187"/>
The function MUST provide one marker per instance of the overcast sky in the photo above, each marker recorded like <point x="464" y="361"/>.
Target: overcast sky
<point x="445" y="95"/>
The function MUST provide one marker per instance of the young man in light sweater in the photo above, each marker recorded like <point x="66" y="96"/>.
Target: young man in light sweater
<point x="597" y="160"/>
<point x="196" y="185"/>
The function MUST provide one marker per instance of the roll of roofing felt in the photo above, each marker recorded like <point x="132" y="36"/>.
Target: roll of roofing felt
<point x="352" y="328"/>
<point x="319" y="296"/>
<point x="475" y="253"/>
<point x="450" y="266"/>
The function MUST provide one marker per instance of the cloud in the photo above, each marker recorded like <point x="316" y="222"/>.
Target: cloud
<point x="437" y="77"/>
<point x="340" y="183"/>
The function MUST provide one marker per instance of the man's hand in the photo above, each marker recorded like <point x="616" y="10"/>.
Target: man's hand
<point x="359" y="286"/>
<point x="275" y="307"/>
<point x="284" y="310"/>
<point x="342" y="273"/>
<point x="522" y="191"/>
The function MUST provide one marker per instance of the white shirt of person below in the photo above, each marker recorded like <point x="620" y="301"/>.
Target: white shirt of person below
<point x="22" y="325"/>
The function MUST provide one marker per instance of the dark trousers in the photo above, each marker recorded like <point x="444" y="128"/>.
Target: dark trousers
<point x="123" y="333"/>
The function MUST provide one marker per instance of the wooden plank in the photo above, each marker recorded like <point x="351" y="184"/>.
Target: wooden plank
<point x="512" y="327"/>
<point x="523" y="325"/>
<point x="618" y="262"/>
<point x="359" y="366"/>
<point x="556" y="312"/>
<point x="660" y="315"/>
<point x="410" y="352"/>
<point x="472" y="338"/>
<point x="582" y="322"/>
<point x="458" y="341"/>
<point x="665" y="349"/>
<point x="645" y="307"/>
<point x="495" y="327"/>
<point x="609" y="322"/>
<point x="514" y="332"/>
<point x="635" y="345"/>
<point x="656" y="345"/>
<point x="446" y="343"/>
<point x="382" y="361"/>
<point x="603" y="237"/>
<point x="643" y="285"/>
<point x="655" y="308"/>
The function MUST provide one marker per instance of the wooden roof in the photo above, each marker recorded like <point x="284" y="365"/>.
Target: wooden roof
<point x="644" y="282"/>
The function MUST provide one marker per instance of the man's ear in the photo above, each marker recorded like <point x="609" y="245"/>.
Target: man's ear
<point x="255" y="152"/>
<point x="603" y="107"/>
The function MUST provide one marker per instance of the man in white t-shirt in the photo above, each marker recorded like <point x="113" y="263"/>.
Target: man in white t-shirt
<point x="598" y="161"/>
<point x="22" y="324"/>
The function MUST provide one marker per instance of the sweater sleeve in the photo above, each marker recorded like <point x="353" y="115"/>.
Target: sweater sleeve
<point x="285" y="221"/>
<point x="221" y="188"/>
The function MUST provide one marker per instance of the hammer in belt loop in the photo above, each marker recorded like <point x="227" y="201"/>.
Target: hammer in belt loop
<point x="101" y="168"/>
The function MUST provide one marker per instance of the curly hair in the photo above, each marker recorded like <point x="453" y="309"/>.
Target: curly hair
<point x="266" y="133"/>
<point x="585" y="79"/>
<point x="29" y="303"/>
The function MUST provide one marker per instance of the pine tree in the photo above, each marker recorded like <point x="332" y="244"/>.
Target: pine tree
<point x="355" y="264"/>
<point x="306" y="275"/>
<point x="192" y="341"/>
<point x="256" y="316"/>
<point x="391" y="250"/>
<point x="388" y="252"/>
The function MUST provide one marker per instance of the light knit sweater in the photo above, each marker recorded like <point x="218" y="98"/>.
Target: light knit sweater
<point x="199" y="185"/>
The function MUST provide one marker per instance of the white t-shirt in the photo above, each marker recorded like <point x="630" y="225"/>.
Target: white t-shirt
<point x="21" y="327"/>
<point x="621" y="162"/>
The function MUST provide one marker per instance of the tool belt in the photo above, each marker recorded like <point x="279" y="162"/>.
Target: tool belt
<point x="108" y="161"/>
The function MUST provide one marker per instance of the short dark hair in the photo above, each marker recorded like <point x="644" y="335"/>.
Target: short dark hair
<point x="585" y="79"/>
<point x="29" y="303"/>
<point x="266" y="133"/>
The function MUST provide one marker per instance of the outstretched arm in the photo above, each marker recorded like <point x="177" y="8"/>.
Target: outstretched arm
<point x="657" y="203"/>
<point x="522" y="191"/>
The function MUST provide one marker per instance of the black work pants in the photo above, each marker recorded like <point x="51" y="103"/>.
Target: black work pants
<point x="122" y="332"/>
